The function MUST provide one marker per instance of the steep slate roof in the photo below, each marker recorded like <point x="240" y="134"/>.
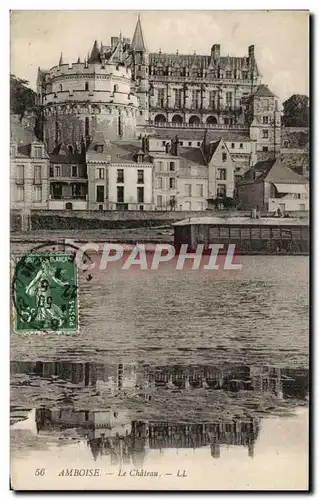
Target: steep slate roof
<point x="273" y="171"/>
<point x="67" y="159"/>
<point x="23" y="137"/>
<point x="138" y="39"/>
<point x="201" y="61"/>
<point x="116" y="152"/>
<point x="95" y="56"/>
<point x="125" y="151"/>
<point x="263" y="91"/>
<point x="281" y="173"/>
<point x="212" y="148"/>
<point x="191" y="156"/>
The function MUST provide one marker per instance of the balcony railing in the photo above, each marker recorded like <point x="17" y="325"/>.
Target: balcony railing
<point x="68" y="197"/>
<point x="202" y="79"/>
<point x="214" y="126"/>
<point x="225" y="108"/>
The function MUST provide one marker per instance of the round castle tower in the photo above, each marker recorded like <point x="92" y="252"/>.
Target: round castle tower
<point x="78" y="98"/>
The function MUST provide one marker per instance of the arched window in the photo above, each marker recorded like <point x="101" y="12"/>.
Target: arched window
<point x="194" y="120"/>
<point x="87" y="126"/>
<point x="160" y="119"/>
<point x="61" y="88"/>
<point x="211" y="120"/>
<point x="86" y="85"/>
<point x="116" y="88"/>
<point x="177" y="119"/>
<point x="70" y="150"/>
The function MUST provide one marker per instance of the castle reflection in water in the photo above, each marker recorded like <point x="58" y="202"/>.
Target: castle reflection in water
<point x="113" y="433"/>
<point x="113" y="378"/>
<point x="127" y="441"/>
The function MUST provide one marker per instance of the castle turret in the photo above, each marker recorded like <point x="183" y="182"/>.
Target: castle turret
<point x="77" y="98"/>
<point x="264" y="120"/>
<point x="140" y="71"/>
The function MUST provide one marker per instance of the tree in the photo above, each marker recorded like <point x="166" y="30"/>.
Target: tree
<point x="22" y="98"/>
<point x="296" y="111"/>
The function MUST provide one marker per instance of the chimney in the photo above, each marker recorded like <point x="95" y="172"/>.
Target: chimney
<point x="251" y="51"/>
<point x="145" y="144"/>
<point x="215" y="52"/>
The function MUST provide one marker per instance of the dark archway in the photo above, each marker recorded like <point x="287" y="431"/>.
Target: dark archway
<point x="177" y="119"/>
<point x="160" y="119"/>
<point x="194" y="120"/>
<point x="211" y="120"/>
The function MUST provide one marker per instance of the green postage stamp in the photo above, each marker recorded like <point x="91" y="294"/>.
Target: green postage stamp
<point x="45" y="293"/>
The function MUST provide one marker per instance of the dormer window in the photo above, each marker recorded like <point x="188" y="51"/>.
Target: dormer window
<point x="37" y="151"/>
<point x="99" y="148"/>
<point x="140" y="157"/>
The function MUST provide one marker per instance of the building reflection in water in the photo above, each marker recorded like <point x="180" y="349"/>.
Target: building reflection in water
<point x="112" y="433"/>
<point x="113" y="378"/>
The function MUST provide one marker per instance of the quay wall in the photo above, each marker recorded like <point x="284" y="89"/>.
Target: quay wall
<point x="64" y="220"/>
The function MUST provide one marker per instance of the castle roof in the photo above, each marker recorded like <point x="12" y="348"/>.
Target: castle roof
<point x="202" y="61"/>
<point x="95" y="56"/>
<point x="138" y="39"/>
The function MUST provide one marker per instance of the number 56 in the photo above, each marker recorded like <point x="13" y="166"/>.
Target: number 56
<point x="39" y="472"/>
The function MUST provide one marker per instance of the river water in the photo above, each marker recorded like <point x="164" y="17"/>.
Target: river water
<point x="193" y="368"/>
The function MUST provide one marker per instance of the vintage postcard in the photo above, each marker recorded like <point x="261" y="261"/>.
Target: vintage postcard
<point x="159" y="173"/>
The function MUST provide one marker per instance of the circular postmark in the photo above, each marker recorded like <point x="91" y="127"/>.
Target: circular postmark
<point x="44" y="289"/>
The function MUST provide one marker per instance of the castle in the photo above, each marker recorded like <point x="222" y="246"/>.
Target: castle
<point x="125" y="129"/>
<point x="128" y="91"/>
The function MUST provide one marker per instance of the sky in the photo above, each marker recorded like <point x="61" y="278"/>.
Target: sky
<point x="281" y="39"/>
